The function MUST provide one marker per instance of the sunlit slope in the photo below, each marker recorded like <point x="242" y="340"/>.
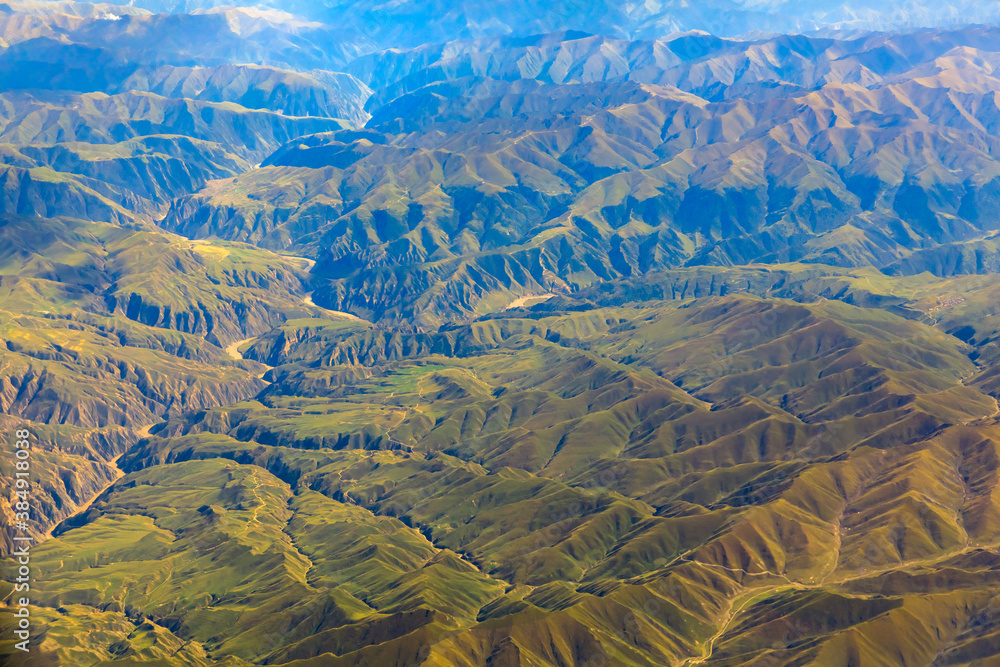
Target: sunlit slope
<point x="95" y="66"/>
<point x="109" y="113"/>
<point x="537" y="488"/>
<point x="468" y="189"/>
<point x="586" y="350"/>
<point x="317" y="93"/>
<point x="123" y="158"/>
<point x="106" y="330"/>
<point x="696" y="62"/>
<point x="43" y="117"/>
<point x="124" y="182"/>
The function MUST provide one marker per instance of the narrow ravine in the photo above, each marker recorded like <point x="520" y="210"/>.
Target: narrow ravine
<point x="84" y="507"/>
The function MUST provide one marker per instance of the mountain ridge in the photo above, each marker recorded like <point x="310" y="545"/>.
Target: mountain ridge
<point x="537" y="334"/>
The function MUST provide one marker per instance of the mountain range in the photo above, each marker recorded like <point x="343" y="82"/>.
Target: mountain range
<point x="499" y="334"/>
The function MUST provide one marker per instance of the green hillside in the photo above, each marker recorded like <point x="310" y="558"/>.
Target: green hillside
<point x="343" y="345"/>
<point x="644" y="483"/>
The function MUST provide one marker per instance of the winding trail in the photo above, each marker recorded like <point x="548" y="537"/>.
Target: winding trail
<point x="258" y="505"/>
<point x="728" y="618"/>
<point x="740" y="603"/>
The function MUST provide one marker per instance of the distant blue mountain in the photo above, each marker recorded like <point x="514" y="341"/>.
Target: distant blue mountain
<point x="409" y="23"/>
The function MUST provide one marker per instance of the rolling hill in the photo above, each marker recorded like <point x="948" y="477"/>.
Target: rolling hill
<point x="489" y="335"/>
